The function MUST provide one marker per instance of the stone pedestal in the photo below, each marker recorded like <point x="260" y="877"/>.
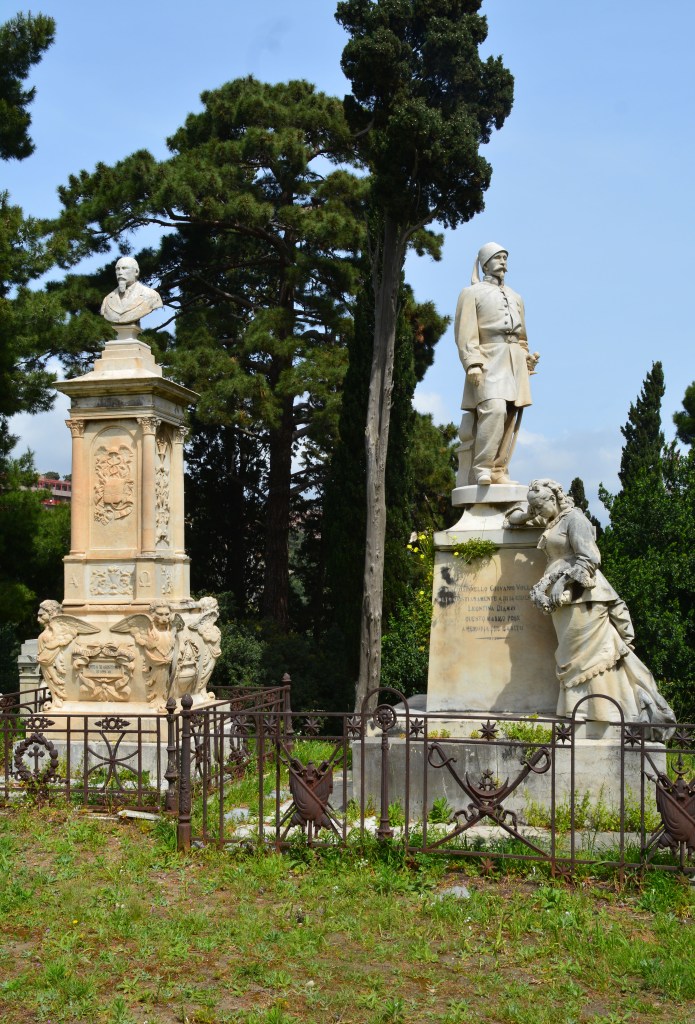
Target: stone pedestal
<point x="128" y="634"/>
<point x="490" y="649"/>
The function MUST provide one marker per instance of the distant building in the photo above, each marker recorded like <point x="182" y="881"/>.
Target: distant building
<point x="60" y="491"/>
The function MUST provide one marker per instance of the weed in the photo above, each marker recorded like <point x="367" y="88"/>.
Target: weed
<point x="396" y="815"/>
<point x="441" y="811"/>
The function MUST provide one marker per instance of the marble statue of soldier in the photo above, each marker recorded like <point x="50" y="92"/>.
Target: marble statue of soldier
<point x="490" y="332"/>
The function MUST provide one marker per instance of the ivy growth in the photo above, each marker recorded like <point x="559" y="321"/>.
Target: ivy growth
<point x="475" y="550"/>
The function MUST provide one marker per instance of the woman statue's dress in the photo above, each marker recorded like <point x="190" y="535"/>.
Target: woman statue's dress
<point x="594" y="630"/>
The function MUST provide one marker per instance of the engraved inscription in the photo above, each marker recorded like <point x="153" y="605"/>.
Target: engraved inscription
<point x="493" y="611"/>
<point x="103" y="671"/>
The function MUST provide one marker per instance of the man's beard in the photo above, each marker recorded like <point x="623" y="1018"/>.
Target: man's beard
<point x="122" y="285"/>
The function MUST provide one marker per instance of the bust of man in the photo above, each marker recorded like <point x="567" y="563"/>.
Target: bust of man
<point x="130" y="300"/>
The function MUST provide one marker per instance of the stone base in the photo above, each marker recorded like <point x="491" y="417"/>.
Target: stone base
<point x="490" y="649"/>
<point x="120" y="709"/>
<point x="596" y="773"/>
<point x="491" y="494"/>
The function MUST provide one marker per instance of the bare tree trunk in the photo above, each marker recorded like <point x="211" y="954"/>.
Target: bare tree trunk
<point x="277" y="573"/>
<point x="387" y="268"/>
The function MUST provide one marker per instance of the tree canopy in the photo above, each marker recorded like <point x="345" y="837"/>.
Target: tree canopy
<point x="684" y="418"/>
<point x="23" y="41"/>
<point x="648" y="550"/>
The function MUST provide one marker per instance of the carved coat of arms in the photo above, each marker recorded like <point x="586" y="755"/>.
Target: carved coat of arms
<point x="114" y="489"/>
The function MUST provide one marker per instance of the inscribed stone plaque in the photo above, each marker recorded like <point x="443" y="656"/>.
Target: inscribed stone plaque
<point x="490" y="649"/>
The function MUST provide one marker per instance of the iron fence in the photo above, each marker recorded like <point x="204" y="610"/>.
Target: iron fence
<point x="112" y="761"/>
<point x="565" y="793"/>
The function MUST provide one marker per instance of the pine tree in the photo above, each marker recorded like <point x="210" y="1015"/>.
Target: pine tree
<point x="256" y="266"/>
<point x="23" y="41"/>
<point x="422" y="103"/>
<point x="24" y="316"/>
<point x="644" y="438"/>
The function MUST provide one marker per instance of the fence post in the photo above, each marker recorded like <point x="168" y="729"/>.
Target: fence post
<point x="287" y="712"/>
<point x="172" y="773"/>
<point x="385" y="719"/>
<point x="183" y="831"/>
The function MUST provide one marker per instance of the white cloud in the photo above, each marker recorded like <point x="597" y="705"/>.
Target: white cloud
<point x="434" y="403"/>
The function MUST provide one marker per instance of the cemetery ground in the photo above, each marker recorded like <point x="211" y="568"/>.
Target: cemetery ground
<point x="103" y="921"/>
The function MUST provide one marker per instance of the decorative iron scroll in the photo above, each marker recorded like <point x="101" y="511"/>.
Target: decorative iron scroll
<point x="487" y="796"/>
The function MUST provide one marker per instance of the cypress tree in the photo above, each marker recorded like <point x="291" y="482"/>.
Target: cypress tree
<point x="685" y="417"/>
<point x="644" y="438"/>
<point x="581" y="501"/>
<point x="422" y="103"/>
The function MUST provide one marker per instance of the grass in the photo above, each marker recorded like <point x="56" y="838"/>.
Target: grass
<point x="102" y="921"/>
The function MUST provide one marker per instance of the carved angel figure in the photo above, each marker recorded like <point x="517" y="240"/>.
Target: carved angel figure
<point x="206" y="627"/>
<point x="59" y="630"/>
<point x="157" y="636"/>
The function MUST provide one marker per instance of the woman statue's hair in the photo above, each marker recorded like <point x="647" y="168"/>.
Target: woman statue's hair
<point x="564" y="501"/>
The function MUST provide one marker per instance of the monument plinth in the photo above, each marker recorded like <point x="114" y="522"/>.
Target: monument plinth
<point x="489" y="648"/>
<point x="127" y="633"/>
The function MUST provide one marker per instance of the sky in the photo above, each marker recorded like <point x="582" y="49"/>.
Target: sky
<point x="590" y="194"/>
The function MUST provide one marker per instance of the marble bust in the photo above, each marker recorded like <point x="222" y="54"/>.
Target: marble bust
<point x="131" y="300"/>
<point x="490" y="333"/>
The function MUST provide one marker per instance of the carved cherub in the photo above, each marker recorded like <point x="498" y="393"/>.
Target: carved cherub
<point x="59" y="631"/>
<point x="157" y="635"/>
<point x="209" y="632"/>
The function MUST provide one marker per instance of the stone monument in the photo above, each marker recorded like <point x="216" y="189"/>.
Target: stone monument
<point x="489" y="650"/>
<point x="127" y="634"/>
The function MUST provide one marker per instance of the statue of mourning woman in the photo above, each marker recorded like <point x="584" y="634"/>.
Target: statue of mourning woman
<point x="595" y="637"/>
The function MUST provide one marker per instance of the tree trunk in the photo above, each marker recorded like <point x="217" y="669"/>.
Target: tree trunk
<point x="277" y="570"/>
<point x="387" y="276"/>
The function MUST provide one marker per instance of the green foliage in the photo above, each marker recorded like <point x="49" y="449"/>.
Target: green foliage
<point x="23" y="41"/>
<point x="685" y="417"/>
<point x="578" y="494"/>
<point x="591" y="815"/>
<point x="474" y="550"/>
<point x="644" y="438"/>
<point x="433" y="455"/>
<point x="441" y="811"/>
<point x="412" y="472"/>
<point x="406" y="640"/>
<point x="422" y="102"/>
<point x="648" y="555"/>
<point x="647" y="551"/>
<point x="257" y="266"/>
<point x="33" y="540"/>
<point x="255" y="652"/>
<point x="26" y="318"/>
<point x="527" y="732"/>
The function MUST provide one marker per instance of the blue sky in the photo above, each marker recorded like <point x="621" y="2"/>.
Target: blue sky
<point x="591" y="187"/>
